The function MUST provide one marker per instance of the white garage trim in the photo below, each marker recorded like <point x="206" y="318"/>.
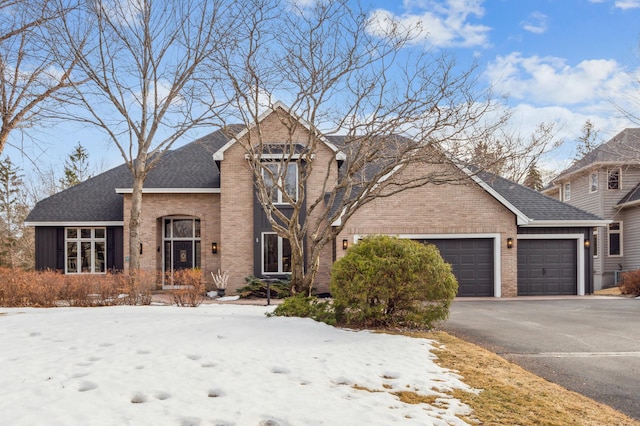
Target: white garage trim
<point x="579" y="249"/>
<point x="497" y="269"/>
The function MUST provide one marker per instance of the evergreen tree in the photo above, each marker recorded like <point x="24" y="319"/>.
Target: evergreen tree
<point x="76" y="168"/>
<point x="12" y="212"/>
<point x="533" y="179"/>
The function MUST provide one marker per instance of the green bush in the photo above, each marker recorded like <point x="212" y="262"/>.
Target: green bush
<point x="630" y="283"/>
<point x="257" y="288"/>
<point x="390" y="282"/>
<point x="306" y="307"/>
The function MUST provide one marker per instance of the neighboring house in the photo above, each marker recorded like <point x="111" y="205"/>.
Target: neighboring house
<point x="606" y="182"/>
<point x="199" y="210"/>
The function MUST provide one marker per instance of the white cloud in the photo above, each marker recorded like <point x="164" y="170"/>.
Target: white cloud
<point x="550" y="80"/>
<point x="536" y="23"/>
<point x="628" y="4"/>
<point x="438" y="23"/>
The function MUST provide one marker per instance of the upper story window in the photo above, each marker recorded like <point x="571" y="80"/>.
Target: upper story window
<point x="613" y="178"/>
<point x="280" y="176"/>
<point x="566" y="192"/>
<point x="615" y="239"/>
<point x="85" y="250"/>
<point x="593" y="182"/>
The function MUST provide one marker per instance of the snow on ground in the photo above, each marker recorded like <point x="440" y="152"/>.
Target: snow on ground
<point x="211" y="365"/>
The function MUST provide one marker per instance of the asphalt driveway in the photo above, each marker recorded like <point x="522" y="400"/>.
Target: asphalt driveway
<point x="588" y="344"/>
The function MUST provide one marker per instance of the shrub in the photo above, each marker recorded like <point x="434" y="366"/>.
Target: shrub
<point x="257" y="288"/>
<point x="631" y="283"/>
<point x="306" y="307"/>
<point x="192" y="287"/>
<point x="390" y="282"/>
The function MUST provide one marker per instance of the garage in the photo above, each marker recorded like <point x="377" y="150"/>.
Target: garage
<point x="547" y="267"/>
<point x="472" y="262"/>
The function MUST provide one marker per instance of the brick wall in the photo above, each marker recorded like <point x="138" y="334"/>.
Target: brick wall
<point x="206" y="207"/>
<point x="439" y="209"/>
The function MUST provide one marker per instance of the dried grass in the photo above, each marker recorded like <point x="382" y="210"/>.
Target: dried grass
<point x="511" y="395"/>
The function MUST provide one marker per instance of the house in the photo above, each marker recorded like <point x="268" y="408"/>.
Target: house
<point x="606" y="182"/>
<point x="199" y="210"/>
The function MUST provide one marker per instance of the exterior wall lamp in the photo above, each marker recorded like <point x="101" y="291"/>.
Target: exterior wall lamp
<point x="587" y="243"/>
<point x="214" y="248"/>
<point x="509" y="243"/>
<point x="345" y="244"/>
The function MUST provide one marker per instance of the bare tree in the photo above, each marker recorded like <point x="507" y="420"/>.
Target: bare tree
<point x="402" y="112"/>
<point x="511" y="155"/>
<point x="588" y="140"/>
<point x="147" y="86"/>
<point x="33" y="81"/>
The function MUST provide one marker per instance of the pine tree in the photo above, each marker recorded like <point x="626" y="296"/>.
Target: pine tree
<point x="75" y="168"/>
<point x="533" y="179"/>
<point x="12" y="210"/>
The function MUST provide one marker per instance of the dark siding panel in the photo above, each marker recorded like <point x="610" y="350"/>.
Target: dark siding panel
<point x="115" y="248"/>
<point x="60" y="249"/>
<point x="46" y="245"/>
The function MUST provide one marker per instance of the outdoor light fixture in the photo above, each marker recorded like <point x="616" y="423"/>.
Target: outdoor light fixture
<point x="509" y="242"/>
<point x="345" y="244"/>
<point x="587" y="243"/>
<point x="214" y="248"/>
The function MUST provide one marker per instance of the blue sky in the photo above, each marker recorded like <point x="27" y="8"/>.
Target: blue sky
<point x="562" y="61"/>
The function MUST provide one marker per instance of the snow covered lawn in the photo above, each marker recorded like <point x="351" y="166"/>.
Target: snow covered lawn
<point x="211" y="365"/>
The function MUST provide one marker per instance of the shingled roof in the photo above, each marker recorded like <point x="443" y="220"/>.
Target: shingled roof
<point x="537" y="209"/>
<point x="96" y="200"/>
<point x="623" y="148"/>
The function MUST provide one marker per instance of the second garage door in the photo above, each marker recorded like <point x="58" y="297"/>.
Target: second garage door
<point x="547" y="267"/>
<point x="472" y="262"/>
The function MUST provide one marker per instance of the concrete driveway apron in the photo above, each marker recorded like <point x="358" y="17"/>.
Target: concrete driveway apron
<point x="588" y="344"/>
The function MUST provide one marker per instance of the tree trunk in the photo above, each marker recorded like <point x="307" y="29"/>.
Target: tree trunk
<point x="134" y="222"/>
<point x="297" y="267"/>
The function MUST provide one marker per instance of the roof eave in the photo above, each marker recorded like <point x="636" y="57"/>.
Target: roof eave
<point x="628" y="204"/>
<point x="595" y="165"/>
<point x="219" y="154"/>
<point x="76" y="223"/>
<point x="171" y="190"/>
<point x="567" y="223"/>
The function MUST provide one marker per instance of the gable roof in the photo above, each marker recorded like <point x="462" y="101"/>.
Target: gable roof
<point x="533" y="208"/>
<point x="219" y="154"/>
<point x="192" y="168"/>
<point x="623" y="148"/>
<point x="99" y="201"/>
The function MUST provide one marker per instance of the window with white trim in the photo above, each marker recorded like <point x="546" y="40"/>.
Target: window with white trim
<point x="276" y="254"/>
<point x="566" y="193"/>
<point x="593" y="182"/>
<point x="613" y="178"/>
<point x="615" y="239"/>
<point x="595" y="242"/>
<point x="85" y="250"/>
<point x="280" y="176"/>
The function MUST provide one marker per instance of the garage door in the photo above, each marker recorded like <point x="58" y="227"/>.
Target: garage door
<point x="472" y="263"/>
<point x="547" y="267"/>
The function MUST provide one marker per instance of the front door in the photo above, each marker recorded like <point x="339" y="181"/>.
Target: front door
<point x="182" y="255"/>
